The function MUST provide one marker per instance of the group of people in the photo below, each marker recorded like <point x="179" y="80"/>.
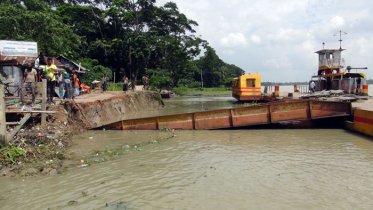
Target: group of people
<point x="53" y="76"/>
<point x="133" y="83"/>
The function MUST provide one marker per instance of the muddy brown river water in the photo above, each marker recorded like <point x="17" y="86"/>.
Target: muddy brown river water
<point x="221" y="169"/>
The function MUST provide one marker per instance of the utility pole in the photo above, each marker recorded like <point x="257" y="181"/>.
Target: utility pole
<point x="44" y="103"/>
<point x="201" y="78"/>
<point x="3" y="133"/>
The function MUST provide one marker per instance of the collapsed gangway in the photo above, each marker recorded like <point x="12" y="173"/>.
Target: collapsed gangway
<point x="274" y="112"/>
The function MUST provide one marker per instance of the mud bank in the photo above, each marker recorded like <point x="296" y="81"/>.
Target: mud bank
<point x="89" y="113"/>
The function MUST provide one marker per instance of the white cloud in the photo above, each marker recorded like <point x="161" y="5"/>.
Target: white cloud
<point x="278" y="38"/>
<point x="256" y="39"/>
<point x="337" y="22"/>
<point x="271" y="63"/>
<point x="228" y="52"/>
<point x="233" y="40"/>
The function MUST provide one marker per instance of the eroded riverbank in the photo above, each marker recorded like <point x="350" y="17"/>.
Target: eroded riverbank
<point x="36" y="151"/>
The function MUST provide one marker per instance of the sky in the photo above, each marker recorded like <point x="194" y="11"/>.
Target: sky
<point x="278" y="38"/>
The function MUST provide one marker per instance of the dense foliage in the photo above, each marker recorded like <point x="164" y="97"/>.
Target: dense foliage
<point x="125" y="36"/>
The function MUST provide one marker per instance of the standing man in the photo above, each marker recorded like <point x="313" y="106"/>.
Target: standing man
<point x="312" y="86"/>
<point x="125" y="84"/>
<point x="49" y="71"/>
<point x="104" y="82"/>
<point x="133" y="81"/>
<point x="146" y="81"/>
<point x="30" y="78"/>
<point x="61" y="82"/>
<point x="66" y="77"/>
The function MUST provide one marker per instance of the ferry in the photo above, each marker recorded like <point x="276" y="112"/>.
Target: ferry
<point x="248" y="88"/>
<point x="332" y="74"/>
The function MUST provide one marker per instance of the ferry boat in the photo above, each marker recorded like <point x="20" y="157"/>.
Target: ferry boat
<point x="332" y="74"/>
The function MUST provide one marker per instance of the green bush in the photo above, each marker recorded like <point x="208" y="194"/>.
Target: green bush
<point x="160" y="78"/>
<point x="189" y="83"/>
<point x="115" y="86"/>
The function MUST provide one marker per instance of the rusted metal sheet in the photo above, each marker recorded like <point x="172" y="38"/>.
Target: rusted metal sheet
<point x="251" y="115"/>
<point x="321" y="109"/>
<point x="290" y="111"/>
<point x="140" y="124"/>
<point x="238" y="117"/>
<point x="181" y="121"/>
<point x="253" y="97"/>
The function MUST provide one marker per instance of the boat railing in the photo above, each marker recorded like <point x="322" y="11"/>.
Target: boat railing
<point x="269" y="90"/>
<point x="303" y="88"/>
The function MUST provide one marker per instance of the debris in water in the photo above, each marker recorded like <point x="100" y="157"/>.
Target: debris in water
<point x="91" y="137"/>
<point x="84" y="165"/>
<point x="139" y="150"/>
<point x="72" y="202"/>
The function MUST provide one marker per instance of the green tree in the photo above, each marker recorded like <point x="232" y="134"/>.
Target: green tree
<point x="160" y="78"/>
<point x="35" y="21"/>
<point x="96" y="71"/>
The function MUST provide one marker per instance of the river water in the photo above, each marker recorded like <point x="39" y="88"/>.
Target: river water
<point x="220" y="169"/>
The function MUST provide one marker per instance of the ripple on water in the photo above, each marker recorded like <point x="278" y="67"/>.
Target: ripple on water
<point x="230" y="169"/>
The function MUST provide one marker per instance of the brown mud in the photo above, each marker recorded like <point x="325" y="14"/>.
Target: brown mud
<point x="36" y="151"/>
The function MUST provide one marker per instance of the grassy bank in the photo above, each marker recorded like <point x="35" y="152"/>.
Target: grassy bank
<point x="203" y="91"/>
<point x="222" y="91"/>
<point x="115" y="86"/>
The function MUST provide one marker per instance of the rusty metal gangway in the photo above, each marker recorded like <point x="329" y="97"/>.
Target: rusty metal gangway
<point x="239" y="117"/>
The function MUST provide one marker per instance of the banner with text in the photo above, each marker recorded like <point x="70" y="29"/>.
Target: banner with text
<point x="18" y="48"/>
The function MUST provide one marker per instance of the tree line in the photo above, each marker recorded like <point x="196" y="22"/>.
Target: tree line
<point x="121" y="37"/>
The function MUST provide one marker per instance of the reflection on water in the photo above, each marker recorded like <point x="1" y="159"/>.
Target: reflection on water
<point x="227" y="169"/>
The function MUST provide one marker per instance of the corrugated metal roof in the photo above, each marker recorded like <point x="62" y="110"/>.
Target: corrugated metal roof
<point x="55" y="61"/>
<point x="76" y="64"/>
<point x="16" y="60"/>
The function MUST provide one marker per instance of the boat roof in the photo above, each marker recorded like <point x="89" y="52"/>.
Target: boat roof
<point x="329" y="50"/>
<point x="340" y="74"/>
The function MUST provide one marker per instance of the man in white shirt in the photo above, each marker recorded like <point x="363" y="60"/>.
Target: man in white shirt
<point x="312" y="86"/>
<point x="29" y="81"/>
<point x="60" y="82"/>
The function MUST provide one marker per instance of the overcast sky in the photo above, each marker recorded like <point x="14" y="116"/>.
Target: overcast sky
<point x="278" y="38"/>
